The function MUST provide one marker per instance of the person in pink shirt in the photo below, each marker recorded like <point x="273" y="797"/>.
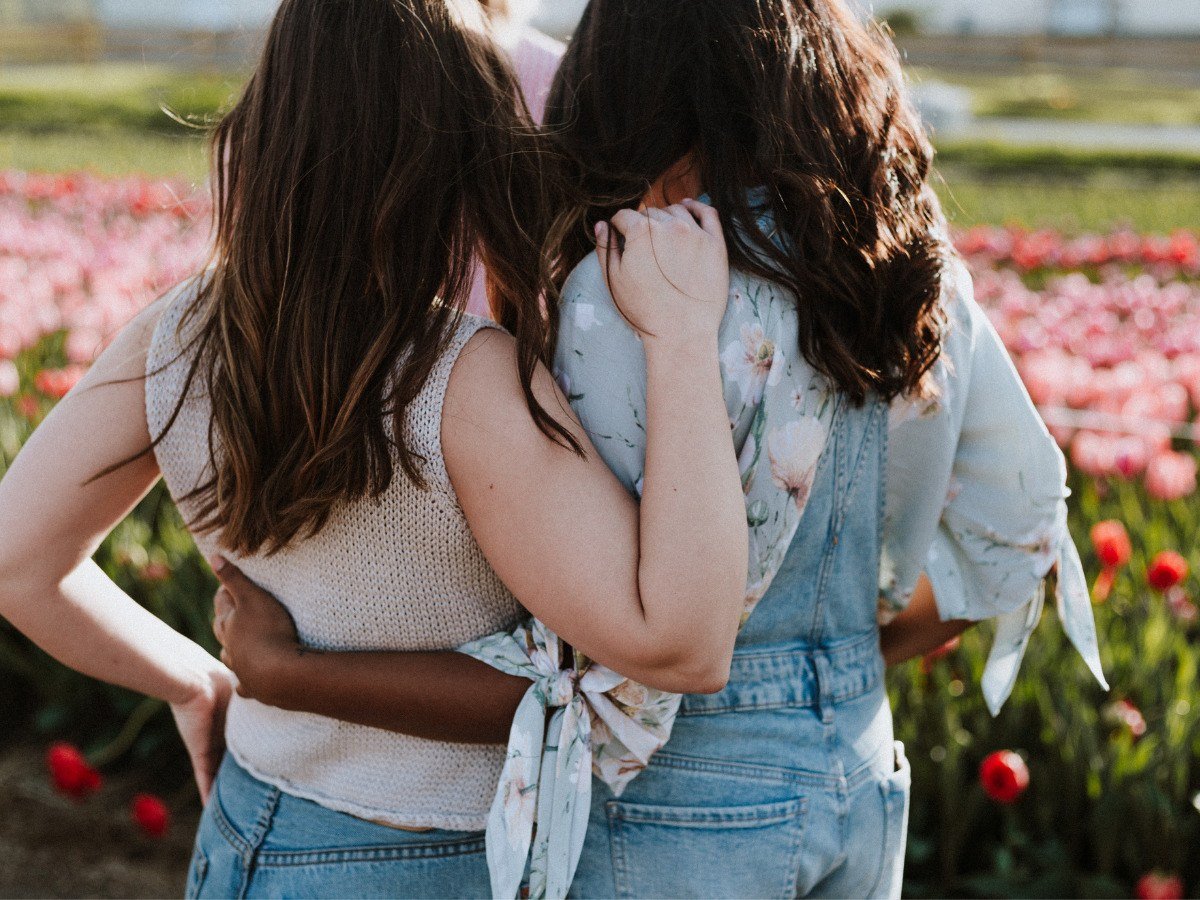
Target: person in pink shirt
<point x="536" y="57"/>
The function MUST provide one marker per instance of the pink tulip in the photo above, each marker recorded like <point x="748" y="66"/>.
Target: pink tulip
<point x="10" y="379"/>
<point x="1171" y="475"/>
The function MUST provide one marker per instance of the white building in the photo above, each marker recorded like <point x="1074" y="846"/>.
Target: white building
<point x="1179" y="18"/>
<point x="200" y="15"/>
<point x="1176" y="18"/>
<point x="203" y="15"/>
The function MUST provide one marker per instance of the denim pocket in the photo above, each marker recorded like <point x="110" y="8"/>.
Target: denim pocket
<point x="896" y="789"/>
<point x="197" y="872"/>
<point x="684" y="851"/>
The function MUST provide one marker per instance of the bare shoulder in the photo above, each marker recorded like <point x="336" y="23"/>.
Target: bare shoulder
<point x="485" y="410"/>
<point x="483" y="380"/>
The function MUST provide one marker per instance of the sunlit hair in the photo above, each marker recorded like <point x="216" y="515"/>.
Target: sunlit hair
<point x="516" y="10"/>
<point x="797" y="97"/>
<point x="377" y="147"/>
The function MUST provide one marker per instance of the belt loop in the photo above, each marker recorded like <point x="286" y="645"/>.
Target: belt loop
<point x="825" y="698"/>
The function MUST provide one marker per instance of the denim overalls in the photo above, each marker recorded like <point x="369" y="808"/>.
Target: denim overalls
<point x="788" y="782"/>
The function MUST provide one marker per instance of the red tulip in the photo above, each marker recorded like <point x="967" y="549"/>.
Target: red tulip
<point x="930" y="658"/>
<point x="1124" y="713"/>
<point x="57" y="383"/>
<point x="1004" y="776"/>
<point x="1112" y="543"/>
<point x="151" y="815"/>
<point x="1159" y="886"/>
<point x="71" y="773"/>
<point x="28" y="406"/>
<point x="156" y="572"/>
<point x="1113" y="547"/>
<point x="1167" y="569"/>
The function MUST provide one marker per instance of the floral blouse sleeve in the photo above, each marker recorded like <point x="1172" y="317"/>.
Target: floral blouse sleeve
<point x="976" y="497"/>
<point x="780" y="411"/>
<point x="977" y="500"/>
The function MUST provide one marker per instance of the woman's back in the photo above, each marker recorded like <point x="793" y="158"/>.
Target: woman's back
<point x="401" y="572"/>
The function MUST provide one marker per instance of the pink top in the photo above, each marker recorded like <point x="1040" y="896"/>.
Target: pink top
<point x="535" y="56"/>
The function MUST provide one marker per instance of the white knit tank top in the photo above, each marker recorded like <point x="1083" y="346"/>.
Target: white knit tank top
<point x="400" y="573"/>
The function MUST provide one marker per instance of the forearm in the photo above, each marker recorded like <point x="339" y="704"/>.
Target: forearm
<point x="88" y="623"/>
<point x="439" y="696"/>
<point x="693" y="519"/>
<point x="919" y="629"/>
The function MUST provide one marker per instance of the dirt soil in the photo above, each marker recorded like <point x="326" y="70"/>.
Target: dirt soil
<point x="51" y="846"/>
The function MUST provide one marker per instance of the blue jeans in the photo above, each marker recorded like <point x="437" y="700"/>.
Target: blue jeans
<point x="257" y="841"/>
<point x="795" y="811"/>
<point x="789" y="782"/>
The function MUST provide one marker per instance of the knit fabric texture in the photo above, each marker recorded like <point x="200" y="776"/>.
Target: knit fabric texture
<point x="402" y="572"/>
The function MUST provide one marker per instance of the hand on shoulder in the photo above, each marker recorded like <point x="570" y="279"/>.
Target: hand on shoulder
<point x="668" y="270"/>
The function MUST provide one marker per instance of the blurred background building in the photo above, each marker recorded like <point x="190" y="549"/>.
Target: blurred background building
<point x="1075" y="18"/>
<point x="1054" y="17"/>
<point x="188" y="14"/>
<point x="1059" y="17"/>
<point x="1051" y="18"/>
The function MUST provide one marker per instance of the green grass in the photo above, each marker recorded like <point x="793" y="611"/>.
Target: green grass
<point x="109" y="118"/>
<point x="124" y="96"/>
<point x="105" y="152"/>
<point x="1069" y="190"/>
<point x="1114" y="95"/>
<point x="1008" y="161"/>
<point x="1093" y="199"/>
<point x="1102" y="202"/>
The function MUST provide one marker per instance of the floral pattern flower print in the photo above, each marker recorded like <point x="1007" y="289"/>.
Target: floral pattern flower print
<point x="975" y="498"/>
<point x="601" y="722"/>
<point x="753" y="361"/>
<point x="780" y="413"/>
<point x="794" y="450"/>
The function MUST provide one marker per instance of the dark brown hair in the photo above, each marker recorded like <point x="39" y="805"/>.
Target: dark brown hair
<point x="378" y="146"/>
<point x="796" y="97"/>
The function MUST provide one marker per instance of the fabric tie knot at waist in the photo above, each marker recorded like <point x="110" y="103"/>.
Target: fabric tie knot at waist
<point x="602" y="723"/>
<point x="556" y="686"/>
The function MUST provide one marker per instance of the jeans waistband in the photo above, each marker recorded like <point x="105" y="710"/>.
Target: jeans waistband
<point x="796" y="676"/>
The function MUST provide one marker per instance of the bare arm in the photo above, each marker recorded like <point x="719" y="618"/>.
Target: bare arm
<point x="440" y="696"/>
<point x="656" y="597"/>
<point x="919" y="629"/>
<point x="53" y="518"/>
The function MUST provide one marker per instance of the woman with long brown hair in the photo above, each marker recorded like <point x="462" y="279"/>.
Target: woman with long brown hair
<point x="326" y="415"/>
<point x="882" y="432"/>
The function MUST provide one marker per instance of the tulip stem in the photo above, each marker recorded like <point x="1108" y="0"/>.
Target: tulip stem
<point x="121" y="744"/>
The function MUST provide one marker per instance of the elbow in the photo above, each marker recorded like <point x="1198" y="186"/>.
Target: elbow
<point x="712" y="681"/>
<point x="22" y="576"/>
<point x="689" y="670"/>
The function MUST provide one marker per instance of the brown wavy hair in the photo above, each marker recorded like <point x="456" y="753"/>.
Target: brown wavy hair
<point x="379" y="145"/>
<point x="801" y="99"/>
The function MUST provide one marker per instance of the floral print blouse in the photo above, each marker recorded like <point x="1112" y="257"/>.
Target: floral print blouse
<point x="975" y="498"/>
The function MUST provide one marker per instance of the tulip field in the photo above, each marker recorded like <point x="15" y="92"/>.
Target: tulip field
<point x="1069" y="792"/>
